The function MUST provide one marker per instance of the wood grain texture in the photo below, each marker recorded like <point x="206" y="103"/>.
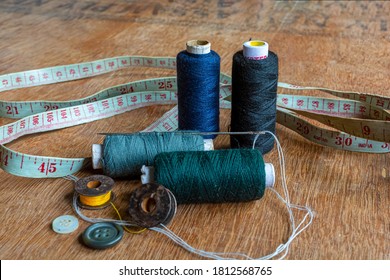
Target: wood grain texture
<point x="336" y="44"/>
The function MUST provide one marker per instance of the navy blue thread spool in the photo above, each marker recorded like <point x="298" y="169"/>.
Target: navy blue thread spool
<point x="254" y="94"/>
<point x="198" y="71"/>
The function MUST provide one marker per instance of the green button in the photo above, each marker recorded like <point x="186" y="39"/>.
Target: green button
<point x="65" y="224"/>
<point x="102" y="235"/>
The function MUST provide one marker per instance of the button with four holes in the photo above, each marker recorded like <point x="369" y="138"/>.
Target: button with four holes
<point x="102" y="235"/>
<point x="65" y="224"/>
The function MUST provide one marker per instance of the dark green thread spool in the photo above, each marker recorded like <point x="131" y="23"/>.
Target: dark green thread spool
<point x="214" y="176"/>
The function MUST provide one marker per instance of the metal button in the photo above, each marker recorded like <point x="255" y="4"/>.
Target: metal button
<point x="102" y="235"/>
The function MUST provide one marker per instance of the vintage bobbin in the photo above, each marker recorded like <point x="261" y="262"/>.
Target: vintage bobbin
<point x="95" y="192"/>
<point x="152" y="204"/>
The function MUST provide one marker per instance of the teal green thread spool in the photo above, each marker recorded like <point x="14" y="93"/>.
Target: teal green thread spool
<point x="214" y="176"/>
<point x="122" y="155"/>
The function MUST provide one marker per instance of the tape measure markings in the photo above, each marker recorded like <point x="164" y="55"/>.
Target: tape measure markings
<point x="168" y="122"/>
<point x="322" y="136"/>
<point x="160" y="84"/>
<point x="344" y="107"/>
<point x="59" y="117"/>
<point x="377" y="130"/>
<point x="14" y="109"/>
<point x="381" y="102"/>
<point x="77" y="71"/>
<point x="98" y="110"/>
<point x="171" y="82"/>
<point x="334" y="139"/>
<point x="37" y="166"/>
<point x="341" y="141"/>
<point x="79" y="114"/>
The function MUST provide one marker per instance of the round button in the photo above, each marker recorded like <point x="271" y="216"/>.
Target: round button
<point x="102" y="235"/>
<point x="65" y="224"/>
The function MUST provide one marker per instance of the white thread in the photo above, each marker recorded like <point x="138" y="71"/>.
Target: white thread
<point x="71" y="178"/>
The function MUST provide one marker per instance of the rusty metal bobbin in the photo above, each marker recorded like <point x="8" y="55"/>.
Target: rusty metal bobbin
<point x="94" y="186"/>
<point x="152" y="204"/>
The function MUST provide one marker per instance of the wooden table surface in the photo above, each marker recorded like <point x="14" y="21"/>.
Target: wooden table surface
<point x="337" y="44"/>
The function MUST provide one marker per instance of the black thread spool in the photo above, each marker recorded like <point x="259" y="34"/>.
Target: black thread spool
<point x="254" y="94"/>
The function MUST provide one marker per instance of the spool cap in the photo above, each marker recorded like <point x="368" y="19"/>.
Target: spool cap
<point x="255" y="49"/>
<point x="208" y="144"/>
<point x="269" y="175"/>
<point x="147" y="174"/>
<point x="65" y="224"/>
<point x="102" y="235"/>
<point x="198" y="46"/>
<point x="97" y="156"/>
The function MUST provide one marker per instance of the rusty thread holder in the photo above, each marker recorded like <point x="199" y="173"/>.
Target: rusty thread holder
<point x="152" y="204"/>
<point x="92" y="186"/>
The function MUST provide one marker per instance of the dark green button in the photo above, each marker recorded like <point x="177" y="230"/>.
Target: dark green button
<point x="102" y="235"/>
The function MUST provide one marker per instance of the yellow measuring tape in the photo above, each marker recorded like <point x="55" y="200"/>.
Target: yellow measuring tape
<point x="358" y="121"/>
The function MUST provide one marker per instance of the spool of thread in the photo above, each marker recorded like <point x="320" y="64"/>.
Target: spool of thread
<point x="214" y="176"/>
<point x="151" y="205"/>
<point x="254" y="94"/>
<point x="95" y="192"/>
<point x="122" y="155"/>
<point x="198" y="70"/>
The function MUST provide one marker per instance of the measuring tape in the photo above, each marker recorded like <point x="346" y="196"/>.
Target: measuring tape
<point x="370" y="131"/>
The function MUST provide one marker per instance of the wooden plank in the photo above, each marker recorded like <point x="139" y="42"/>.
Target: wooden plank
<point x="342" y="45"/>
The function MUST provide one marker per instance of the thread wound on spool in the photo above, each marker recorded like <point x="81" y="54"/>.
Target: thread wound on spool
<point x="212" y="176"/>
<point x="198" y="90"/>
<point x="254" y="94"/>
<point x="95" y="192"/>
<point x="125" y="154"/>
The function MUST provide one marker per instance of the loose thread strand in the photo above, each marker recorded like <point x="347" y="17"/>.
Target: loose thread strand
<point x="124" y="227"/>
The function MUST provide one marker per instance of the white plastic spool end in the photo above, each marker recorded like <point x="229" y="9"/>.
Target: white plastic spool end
<point x="208" y="144"/>
<point x="255" y="50"/>
<point x="97" y="156"/>
<point x="147" y="174"/>
<point x="269" y="175"/>
<point x="198" y="46"/>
